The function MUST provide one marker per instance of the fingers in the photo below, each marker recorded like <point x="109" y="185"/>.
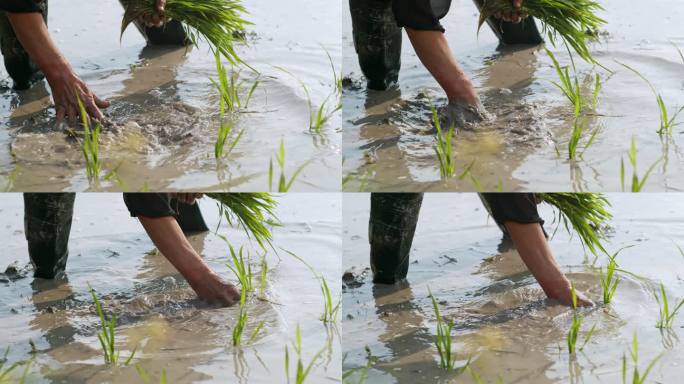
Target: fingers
<point x="61" y="112"/>
<point x="101" y="103"/>
<point x="91" y="108"/>
<point x="161" y="4"/>
<point x="517" y="3"/>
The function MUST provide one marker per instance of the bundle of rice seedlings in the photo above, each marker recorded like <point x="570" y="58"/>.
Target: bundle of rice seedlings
<point x="585" y="212"/>
<point x="219" y="22"/>
<point x="570" y="20"/>
<point x="254" y="212"/>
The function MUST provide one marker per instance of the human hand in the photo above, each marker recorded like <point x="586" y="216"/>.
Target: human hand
<point x="187" y="198"/>
<point x="212" y="289"/>
<point x="515" y="16"/>
<point x="67" y="88"/>
<point x="157" y="18"/>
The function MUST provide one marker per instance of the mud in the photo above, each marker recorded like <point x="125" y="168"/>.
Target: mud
<point x="524" y="147"/>
<point x="157" y="311"/>
<point x="503" y="322"/>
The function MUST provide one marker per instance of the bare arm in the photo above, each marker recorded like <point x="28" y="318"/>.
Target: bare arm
<point x="168" y="237"/>
<point x="66" y="86"/>
<point x="531" y="244"/>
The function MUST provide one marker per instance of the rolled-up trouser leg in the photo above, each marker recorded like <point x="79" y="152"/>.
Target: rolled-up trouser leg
<point x="519" y="208"/>
<point x="377" y="40"/>
<point x="17" y="62"/>
<point x="393" y="219"/>
<point x="524" y="32"/>
<point x="47" y="224"/>
<point x="190" y="218"/>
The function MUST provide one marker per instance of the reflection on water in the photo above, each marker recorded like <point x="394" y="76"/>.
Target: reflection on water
<point x="503" y="321"/>
<point x="388" y="139"/>
<point x="164" y="114"/>
<point x="158" y="314"/>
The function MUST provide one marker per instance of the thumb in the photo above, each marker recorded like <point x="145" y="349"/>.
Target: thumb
<point x="101" y="103"/>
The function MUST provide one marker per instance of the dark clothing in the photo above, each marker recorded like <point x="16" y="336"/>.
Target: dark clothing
<point x="47" y="224"/>
<point x="516" y="207"/>
<point x="20" y="6"/>
<point x="156" y="205"/>
<point x="423" y="15"/>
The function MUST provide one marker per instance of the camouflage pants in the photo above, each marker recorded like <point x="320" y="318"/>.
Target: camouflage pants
<point x="24" y="72"/>
<point x="17" y="61"/>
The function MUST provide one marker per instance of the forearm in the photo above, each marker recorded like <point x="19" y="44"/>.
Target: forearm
<point x="35" y="38"/>
<point x="169" y="239"/>
<point x="534" y="250"/>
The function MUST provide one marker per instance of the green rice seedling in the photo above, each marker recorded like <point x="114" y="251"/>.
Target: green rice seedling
<point x="254" y="212"/>
<point x="219" y="22"/>
<point x="597" y="89"/>
<point x="90" y="147"/>
<point x="578" y="129"/>
<point x="330" y="309"/>
<point x="637" y="182"/>
<point x="568" y="20"/>
<point x="106" y="335"/>
<point x="609" y="281"/>
<point x="262" y="276"/>
<point x="681" y="54"/>
<point x="443" y="340"/>
<point x="443" y="147"/>
<point x="478" y="379"/>
<point x="667" y="118"/>
<point x="667" y="313"/>
<point x="146" y="378"/>
<point x="241" y="267"/>
<point x="576" y="326"/>
<point x="301" y="371"/>
<point x="568" y="85"/>
<point x="231" y="88"/>
<point x="6" y="375"/>
<point x="637" y="376"/>
<point x="370" y="361"/>
<point x="241" y="322"/>
<point x="284" y="184"/>
<point x="586" y="213"/>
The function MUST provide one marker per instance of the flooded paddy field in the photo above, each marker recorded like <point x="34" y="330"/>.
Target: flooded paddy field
<point x="503" y="322"/>
<point x="388" y="136"/>
<point x="164" y="116"/>
<point x="157" y="311"/>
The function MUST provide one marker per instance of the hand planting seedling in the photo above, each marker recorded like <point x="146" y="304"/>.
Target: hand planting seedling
<point x="567" y="20"/>
<point x="219" y="22"/>
<point x="637" y="376"/>
<point x="284" y="184"/>
<point x="637" y="183"/>
<point x="667" y="313"/>
<point x="107" y="336"/>
<point x="301" y="371"/>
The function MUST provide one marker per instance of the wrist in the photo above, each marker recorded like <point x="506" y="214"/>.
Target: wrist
<point x="56" y="68"/>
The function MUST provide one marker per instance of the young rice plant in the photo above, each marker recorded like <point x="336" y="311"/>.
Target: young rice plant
<point x="301" y="371"/>
<point x="107" y="335"/>
<point x="443" y="147"/>
<point x="637" y="182"/>
<point x="284" y="184"/>
<point x="576" y="325"/>
<point x="637" y="376"/>
<point x="90" y="147"/>
<point x="667" y="312"/>
<point x="443" y="340"/>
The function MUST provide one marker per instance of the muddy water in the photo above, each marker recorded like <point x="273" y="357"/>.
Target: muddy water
<point x="502" y="320"/>
<point x="157" y="311"/>
<point x="388" y="142"/>
<point x="166" y="109"/>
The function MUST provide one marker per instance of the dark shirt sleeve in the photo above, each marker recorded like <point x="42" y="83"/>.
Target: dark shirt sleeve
<point x="20" y="6"/>
<point x="153" y="205"/>
<point x="516" y="207"/>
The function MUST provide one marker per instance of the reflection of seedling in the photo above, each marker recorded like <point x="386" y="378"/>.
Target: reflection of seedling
<point x="637" y="377"/>
<point x="90" y="147"/>
<point x="667" y="121"/>
<point x="667" y="315"/>
<point x="6" y="372"/>
<point x="330" y="309"/>
<point x="146" y="378"/>
<point x="610" y="280"/>
<point x="637" y="183"/>
<point x="576" y="325"/>
<point x="283" y="183"/>
<point x="443" y="148"/>
<point x="302" y="372"/>
<point x="106" y="335"/>
<point x="443" y="340"/>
